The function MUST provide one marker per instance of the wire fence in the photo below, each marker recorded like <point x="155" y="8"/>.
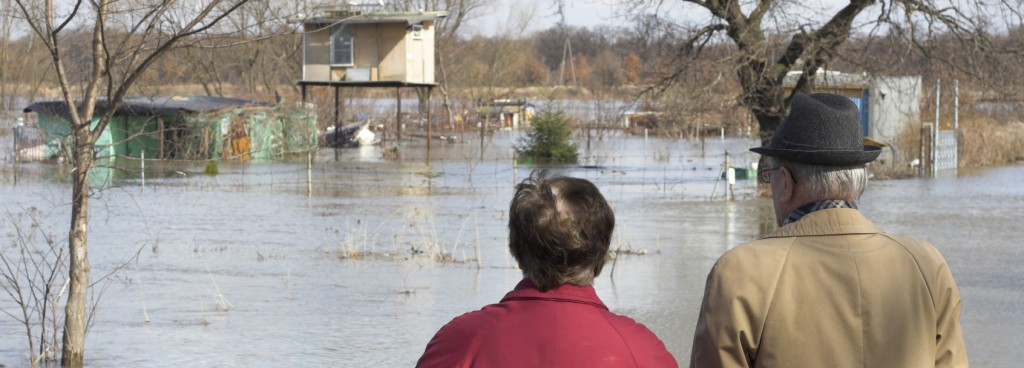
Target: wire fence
<point x="29" y="143"/>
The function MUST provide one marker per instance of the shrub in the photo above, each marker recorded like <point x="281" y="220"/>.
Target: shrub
<point x="211" y="168"/>
<point x="549" y="140"/>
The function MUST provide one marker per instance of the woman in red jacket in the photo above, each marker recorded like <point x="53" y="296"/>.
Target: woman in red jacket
<point x="560" y="229"/>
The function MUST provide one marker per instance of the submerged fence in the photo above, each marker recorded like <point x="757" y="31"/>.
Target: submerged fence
<point x="939" y="151"/>
<point x="944" y="142"/>
<point x="29" y="143"/>
<point x="945" y="152"/>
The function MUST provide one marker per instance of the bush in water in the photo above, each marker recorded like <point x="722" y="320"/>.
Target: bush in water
<point x="549" y="141"/>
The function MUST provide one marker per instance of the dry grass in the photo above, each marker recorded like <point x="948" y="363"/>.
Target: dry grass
<point x="626" y="248"/>
<point x="987" y="141"/>
<point x="223" y="305"/>
<point x="416" y="239"/>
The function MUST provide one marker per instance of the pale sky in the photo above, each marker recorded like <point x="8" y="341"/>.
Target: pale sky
<point x="506" y="15"/>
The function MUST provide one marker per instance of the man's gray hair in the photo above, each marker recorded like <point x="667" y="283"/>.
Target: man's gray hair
<point x="827" y="182"/>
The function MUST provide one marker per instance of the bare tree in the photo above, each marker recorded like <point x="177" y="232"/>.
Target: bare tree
<point x="32" y="275"/>
<point x="773" y="37"/>
<point x="266" y="49"/>
<point x="127" y="37"/>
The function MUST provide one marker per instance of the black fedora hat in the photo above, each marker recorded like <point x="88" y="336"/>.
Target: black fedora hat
<point x="821" y="129"/>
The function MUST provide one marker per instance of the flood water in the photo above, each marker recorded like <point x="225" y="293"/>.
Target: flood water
<point x="357" y="261"/>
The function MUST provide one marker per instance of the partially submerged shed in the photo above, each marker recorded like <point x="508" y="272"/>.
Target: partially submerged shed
<point x="513" y="114"/>
<point x="186" y="128"/>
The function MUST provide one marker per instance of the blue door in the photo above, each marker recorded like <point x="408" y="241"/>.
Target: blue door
<point x="862" y="104"/>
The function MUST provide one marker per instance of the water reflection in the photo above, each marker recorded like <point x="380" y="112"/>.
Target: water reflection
<point x="271" y="242"/>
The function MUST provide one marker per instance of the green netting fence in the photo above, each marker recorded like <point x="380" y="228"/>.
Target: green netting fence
<point x="250" y="134"/>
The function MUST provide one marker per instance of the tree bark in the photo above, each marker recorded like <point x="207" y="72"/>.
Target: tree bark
<point x="75" y="321"/>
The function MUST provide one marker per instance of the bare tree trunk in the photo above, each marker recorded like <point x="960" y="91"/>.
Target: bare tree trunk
<point x="73" y="352"/>
<point x="444" y="94"/>
<point x="74" y="323"/>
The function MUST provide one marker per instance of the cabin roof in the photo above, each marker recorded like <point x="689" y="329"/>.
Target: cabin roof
<point x="153" y="106"/>
<point x="829" y="79"/>
<point x="374" y="18"/>
<point x="380" y="84"/>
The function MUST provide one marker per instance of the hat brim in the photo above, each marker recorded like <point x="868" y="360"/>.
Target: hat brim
<point x="826" y="158"/>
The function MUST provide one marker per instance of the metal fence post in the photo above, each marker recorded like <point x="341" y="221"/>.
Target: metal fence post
<point x="956" y="123"/>
<point x="935" y="128"/>
<point x="15" y="137"/>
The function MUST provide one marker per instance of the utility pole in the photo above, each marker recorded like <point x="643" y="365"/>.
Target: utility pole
<point x="567" y="54"/>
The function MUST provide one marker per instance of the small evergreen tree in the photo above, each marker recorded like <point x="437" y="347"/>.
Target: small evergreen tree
<point x="549" y="141"/>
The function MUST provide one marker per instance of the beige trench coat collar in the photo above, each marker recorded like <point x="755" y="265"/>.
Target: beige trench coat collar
<point x="831" y="221"/>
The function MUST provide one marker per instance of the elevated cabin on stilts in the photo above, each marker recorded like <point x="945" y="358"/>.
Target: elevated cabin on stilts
<point x="345" y="47"/>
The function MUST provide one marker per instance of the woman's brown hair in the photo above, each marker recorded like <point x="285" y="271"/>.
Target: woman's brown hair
<point x="560" y="229"/>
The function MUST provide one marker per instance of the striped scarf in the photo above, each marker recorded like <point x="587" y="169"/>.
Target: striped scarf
<point x="802" y="211"/>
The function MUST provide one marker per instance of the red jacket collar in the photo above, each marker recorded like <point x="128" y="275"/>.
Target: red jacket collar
<point x="527" y="290"/>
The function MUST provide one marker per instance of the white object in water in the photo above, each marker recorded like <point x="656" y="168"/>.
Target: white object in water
<point x="364" y="137"/>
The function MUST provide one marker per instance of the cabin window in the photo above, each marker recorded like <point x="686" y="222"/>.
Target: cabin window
<point x="341" y="46"/>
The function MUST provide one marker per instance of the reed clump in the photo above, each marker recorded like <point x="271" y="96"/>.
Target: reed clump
<point x="987" y="140"/>
<point x="626" y="248"/>
<point x="416" y="240"/>
<point x="358" y="242"/>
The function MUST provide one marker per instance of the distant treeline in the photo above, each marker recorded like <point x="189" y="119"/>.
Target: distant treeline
<point x="604" y="63"/>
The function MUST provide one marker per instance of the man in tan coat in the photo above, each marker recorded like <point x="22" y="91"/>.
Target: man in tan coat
<point x="828" y="288"/>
